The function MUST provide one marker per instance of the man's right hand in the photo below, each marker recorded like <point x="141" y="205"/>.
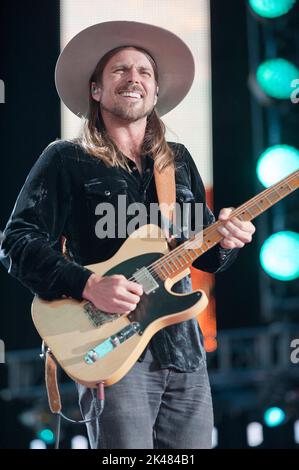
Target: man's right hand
<point x="112" y="294"/>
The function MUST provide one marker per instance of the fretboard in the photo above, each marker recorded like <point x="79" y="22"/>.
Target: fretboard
<point x="184" y="255"/>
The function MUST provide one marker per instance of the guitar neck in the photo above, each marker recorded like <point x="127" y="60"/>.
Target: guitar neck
<point x="184" y="255"/>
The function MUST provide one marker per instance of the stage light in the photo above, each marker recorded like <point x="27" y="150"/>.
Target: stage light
<point x="275" y="78"/>
<point x="277" y="162"/>
<point x="296" y="431"/>
<point x="271" y="8"/>
<point x="279" y="256"/>
<point x="274" y="416"/>
<point x="37" y="444"/>
<point x="79" y="442"/>
<point x="46" y="435"/>
<point x="214" y="437"/>
<point x="254" y="433"/>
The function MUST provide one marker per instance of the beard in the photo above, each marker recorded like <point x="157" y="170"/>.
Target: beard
<point x="129" y="112"/>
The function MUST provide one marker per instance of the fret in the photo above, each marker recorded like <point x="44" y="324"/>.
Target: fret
<point x="261" y="204"/>
<point x="268" y="199"/>
<point x="207" y="246"/>
<point x="165" y="266"/>
<point x="179" y="261"/>
<point x="161" y="269"/>
<point x="159" y="272"/>
<point x="201" y="249"/>
<point x="274" y="196"/>
<point x="184" y="260"/>
<point x="277" y="193"/>
<point x="194" y="252"/>
<point x="195" y="242"/>
<point x="169" y="265"/>
<point x="188" y="254"/>
<point x="294" y="182"/>
<point x="282" y="191"/>
<point x="208" y="236"/>
<point x="248" y="210"/>
<point x="172" y="260"/>
<point x="213" y="243"/>
<point x="204" y="242"/>
<point x="259" y="211"/>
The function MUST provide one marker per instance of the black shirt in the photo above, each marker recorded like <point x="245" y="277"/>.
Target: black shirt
<point x="58" y="200"/>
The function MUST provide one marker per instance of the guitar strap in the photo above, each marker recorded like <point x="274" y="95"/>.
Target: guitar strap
<point x="166" y="192"/>
<point x="51" y="365"/>
<point x="51" y="383"/>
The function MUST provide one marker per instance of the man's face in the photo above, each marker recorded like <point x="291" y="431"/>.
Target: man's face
<point x="128" y="88"/>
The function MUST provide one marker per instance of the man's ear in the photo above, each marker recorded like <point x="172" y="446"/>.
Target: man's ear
<point x="95" y="91"/>
<point x="156" y="97"/>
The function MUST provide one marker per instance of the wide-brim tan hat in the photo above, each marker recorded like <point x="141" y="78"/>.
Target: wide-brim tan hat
<point x="80" y="56"/>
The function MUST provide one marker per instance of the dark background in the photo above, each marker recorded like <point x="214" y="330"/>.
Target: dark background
<point x="29" y="120"/>
<point x="234" y="171"/>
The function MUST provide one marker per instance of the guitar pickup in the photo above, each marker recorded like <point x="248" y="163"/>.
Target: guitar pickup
<point x="145" y="278"/>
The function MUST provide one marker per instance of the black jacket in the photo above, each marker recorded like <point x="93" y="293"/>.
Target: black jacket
<point x="59" y="199"/>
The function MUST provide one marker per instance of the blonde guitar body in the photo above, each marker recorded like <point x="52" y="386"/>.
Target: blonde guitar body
<point x="93" y="346"/>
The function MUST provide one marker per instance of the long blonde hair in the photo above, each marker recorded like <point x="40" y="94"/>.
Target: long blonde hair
<point x="95" y="140"/>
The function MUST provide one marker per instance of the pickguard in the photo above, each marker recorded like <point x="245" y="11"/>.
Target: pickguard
<point x="157" y="303"/>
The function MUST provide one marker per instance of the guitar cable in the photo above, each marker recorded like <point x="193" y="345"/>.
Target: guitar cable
<point x="99" y="399"/>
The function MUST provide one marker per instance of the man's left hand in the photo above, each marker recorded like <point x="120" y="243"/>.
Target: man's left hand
<point x="236" y="232"/>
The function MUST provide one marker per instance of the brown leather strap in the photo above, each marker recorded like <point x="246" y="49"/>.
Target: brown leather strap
<point x="51" y="383"/>
<point x="166" y="192"/>
<point x="51" y="366"/>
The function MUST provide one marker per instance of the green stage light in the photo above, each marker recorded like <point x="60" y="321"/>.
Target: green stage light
<point x="274" y="416"/>
<point x="271" y="8"/>
<point x="47" y="436"/>
<point x="275" y="77"/>
<point x="276" y="163"/>
<point x="279" y="256"/>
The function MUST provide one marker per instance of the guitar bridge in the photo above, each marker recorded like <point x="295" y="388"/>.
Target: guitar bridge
<point x="97" y="316"/>
<point x="145" y="278"/>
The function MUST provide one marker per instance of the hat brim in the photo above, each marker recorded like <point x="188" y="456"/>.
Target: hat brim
<point x="80" y="56"/>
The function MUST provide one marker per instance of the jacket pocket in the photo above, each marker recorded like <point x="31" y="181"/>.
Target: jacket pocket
<point x="105" y="187"/>
<point x="105" y="197"/>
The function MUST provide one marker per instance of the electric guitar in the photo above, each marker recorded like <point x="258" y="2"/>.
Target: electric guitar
<point x="93" y="346"/>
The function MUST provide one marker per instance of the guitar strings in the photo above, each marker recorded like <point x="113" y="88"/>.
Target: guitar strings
<point x="160" y="263"/>
<point x="209" y="230"/>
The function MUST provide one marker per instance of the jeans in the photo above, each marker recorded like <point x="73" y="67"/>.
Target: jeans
<point x="152" y="408"/>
